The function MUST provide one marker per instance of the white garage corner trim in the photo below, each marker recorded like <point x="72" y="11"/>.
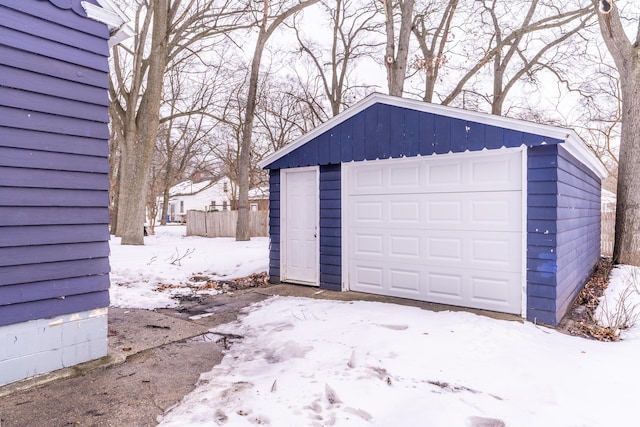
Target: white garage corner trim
<point x="447" y="228"/>
<point x="525" y="206"/>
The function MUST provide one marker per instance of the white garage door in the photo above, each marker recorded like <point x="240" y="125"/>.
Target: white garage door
<point x="444" y="229"/>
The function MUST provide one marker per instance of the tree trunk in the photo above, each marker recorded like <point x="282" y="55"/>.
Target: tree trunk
<point x="141" y="137"/>
<point x="626" y="55"/>
<point x="242" y="227"/>
<point x="396" y="57"/>
<point x="244" y="157"/>
<point x="626" y="249"/>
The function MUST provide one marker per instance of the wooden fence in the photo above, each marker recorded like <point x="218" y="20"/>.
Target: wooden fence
<point x="607" y="232"/>
<point x="223" y="224"/>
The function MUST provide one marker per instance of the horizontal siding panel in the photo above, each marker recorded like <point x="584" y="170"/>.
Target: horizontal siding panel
<point x="53" y="234"/>
<point x="542" y="174"/>
<point x="52" y="142"/>
<point x="37" y="291"/>
<point x="545" y="187"/>
<point x="546" y="265"/>
<point x="24" y="255"/>
<point x="542" y="200"/>
<point x="95" y="109"/>
<point x="330" y="213"/>
<point x="14" y="275"/>
<point x="21" y="216"/>
<point x="330" y="222"/>
<point x="541" y="291"/>
<point x="19" y="158"/>
<point x="326" y="259"/>
<point x="42" y="122"/>
<point x="331" y="282"/>
<point x="39" y="178"/>
<point x="16" y="196"/>
<point x="37" y="82"/>
<point x="61" y="15"/>
<point x="331" y="204"/>
<point x="541" y="226"/>
<point x="17" y="313"/>
<point x="330" y="241"/>
<point x="57" y="70"/>
<point x="38" y="25"/>
<point x="52" y="49"/>
<point x="544" y="305"/>
<point x="544" y="278"/>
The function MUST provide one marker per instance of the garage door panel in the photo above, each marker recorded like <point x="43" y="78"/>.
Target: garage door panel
<point x="367" y="211"/>
<point x="405" y="281"/>
<point x="488" y="211"/>
<point x="445" y="229"/>
<point x="447" y="249"/>
<point x="468" y="172"/>
<point x="369" y="278"/>
<point x="406" y="177"/>
<point x="404" y="211"/>
<point x="445" y="287"/>
<point x="406" y="247"/>
<point x="368" y="244"/>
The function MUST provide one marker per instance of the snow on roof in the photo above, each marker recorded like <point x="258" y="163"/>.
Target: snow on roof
<point x="189" y="187"/>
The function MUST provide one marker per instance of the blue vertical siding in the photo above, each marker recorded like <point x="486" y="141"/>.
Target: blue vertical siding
<point x="330" y="228"/>
<point x="274" y="225"/>
<point x="563" y="226"/>
<point x="53" y="160"/>
<point x="384" y="131"/>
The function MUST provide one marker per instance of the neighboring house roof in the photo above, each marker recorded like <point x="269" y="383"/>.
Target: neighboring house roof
<point x="569" y="138"/>
<point x="188" y="187"/>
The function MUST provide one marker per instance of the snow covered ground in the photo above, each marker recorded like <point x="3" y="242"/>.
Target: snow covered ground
<point x="303" y="362"/>
<point x="171" y="258"/>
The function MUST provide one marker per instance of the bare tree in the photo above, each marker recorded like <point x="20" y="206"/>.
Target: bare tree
<point x="351" y="39"/>
<point x="505" y="42"/>
<point x="268" y="23"/>
<point x="141" y="128"/>
<point x="433" y="36"/>
<point x="167" y="32"/>
<point x="397" y="51"/>
<point x="626" y="55"/>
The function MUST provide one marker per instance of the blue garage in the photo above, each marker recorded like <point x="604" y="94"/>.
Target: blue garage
<point x="416" y="200"/>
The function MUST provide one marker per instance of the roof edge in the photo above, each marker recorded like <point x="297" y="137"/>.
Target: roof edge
<point x="110" y="14"/>
<point x="574" y="144"/>
<point x="579" y="149"/>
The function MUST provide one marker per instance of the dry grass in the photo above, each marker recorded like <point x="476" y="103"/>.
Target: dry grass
<point x="581" y="317"/>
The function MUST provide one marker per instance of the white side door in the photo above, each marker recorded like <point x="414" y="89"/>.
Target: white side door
<point x="299" y="226"/>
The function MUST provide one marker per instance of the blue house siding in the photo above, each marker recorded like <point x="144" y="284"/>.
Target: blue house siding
<point x="384" y="131"/>
<point x="579" y="192"/>
<point x="274" y="226"/>
<point x="563" y="227"/>
<point x="330" y="228"/>
<point x="53" y="161"/>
